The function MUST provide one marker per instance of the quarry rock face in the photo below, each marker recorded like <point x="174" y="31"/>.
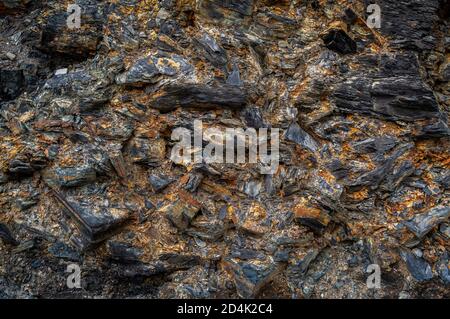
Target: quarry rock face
<point x="93" y="92"/>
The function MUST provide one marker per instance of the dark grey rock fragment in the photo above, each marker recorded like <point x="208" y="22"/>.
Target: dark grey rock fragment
<point x="250" y="277"/>
<point x="199" y="96"/>
<point x="123" y="252"/>
<point x="443" y="268"/>
<point x="339" y="41"/>
<point x="418" y="267"/>
<point x="159" y="182"/>
<point x="12" y="84"/>
<point x="422" y="224"/>
<point x="296" y="134"/>
<point x="75" y="176"/>
<point x="6" y="236"/>
<point x="64" y="251"/>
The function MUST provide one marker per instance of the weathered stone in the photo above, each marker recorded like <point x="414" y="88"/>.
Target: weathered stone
<point x="422" y="224"/>
<point x="418" y="267"/>
<point x="152" y="69"/>
<point x="12" y="84"/>
<point x="199" y="96"/>
<point x="314" y="218"/>
<point x="250" y="277"/>
<point x="339" y="41"/>
<point x="158" y="183"/>
<point x="182" y="211"/>
<point x="6" y="235"/>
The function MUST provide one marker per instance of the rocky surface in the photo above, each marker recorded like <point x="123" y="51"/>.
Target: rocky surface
<point x="86" y="117"/>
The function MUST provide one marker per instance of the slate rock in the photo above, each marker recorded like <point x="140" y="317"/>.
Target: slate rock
<point x="147" y="152"/>
<point x="422" y="224"/>
<point x="6" y="236"/>
<point x="199" y="96"/>
<point x="409" y="23"/>
<point x="75" y="176"/>
<point x="418" y="267"/>
<point x="314" y="218"/>
<point x="296" y="134"/>
<point x="182" y="211"/>
<point x="123" y="252"/>
<point x="250" y="277"/>
<point x="405" y="98"/>
<point x="339" y="41"/>
<point x="12" y="83"/>
<point x="57" y="38"/>
<point x="159" y="182"/>
<point x="443" y="268"/>
<point x="95" y="222"/>
<point x="152" y="69"/>
<point x="63" y="251"/>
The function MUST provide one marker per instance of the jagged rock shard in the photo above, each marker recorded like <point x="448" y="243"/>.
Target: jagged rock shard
<point x="405" y="98"/>
<point x="339" y="41"/>
<point x="443" y="268"/>
<point x="11" y="84"/>
<point x="417" y="266"/>
<point x="95" y="223"/>
<point x="152" y="69"/>
<point x="12" y="5"/>
<point x="147" y="152"/>
<point x="57" y="37"/>
<point x="199" y="96"/>
<point x="6" y="235"/>
<point x="250" y="277"/>
<point x="123" y="252"/>
<point x="313" y="218"/>
<point x="422" y="224"/>
<point x="75" y="176"/>
<point x="226" y="11"/>
<point x="158" y="182"/>
<point x="296" y="134"/>
<point x="182" y="211"/>
<point x="410" y="23"/>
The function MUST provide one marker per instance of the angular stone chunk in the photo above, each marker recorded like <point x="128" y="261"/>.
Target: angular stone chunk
<point x="422" y="224"/>
<point x="339" y="41"/>
<point x="96" y="222"/>
<point x="158" y="182"/>
<point x="418" y="267"/>
<point x="12" y="84"/>
<point x="152" y="69"/>
<point x="250" y="276"/>
<point x="410" y="23"/>
<point x="6" y="236"/>
<point x="182" y="211"/>
<point x="75" y="176"/>
<point x="123" y="252"/>
<point x="227" y="11"/>
<point x="63" y="251"/>
<point x="406" y="98"/>
<point x="77" y="42"/>
<point x="199" y="96"/>
<point x="147" y="152"/>
<point x="296" y="134"/>
<point x="24" y="165"/>
<point x="443" y="268"/>
<point x="314" y="218"/>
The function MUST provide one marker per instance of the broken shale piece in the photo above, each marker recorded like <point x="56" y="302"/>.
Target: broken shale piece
<point x="199" y="96"/>
<point x="95" y="222"/>
<point x="422" y="224"/>
<point x="313" y="218"/>
<point x="6" y="236"/>
<point x="182" y="211"/>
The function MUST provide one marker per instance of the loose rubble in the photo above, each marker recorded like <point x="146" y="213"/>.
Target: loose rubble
<point x="86" y="175"/>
